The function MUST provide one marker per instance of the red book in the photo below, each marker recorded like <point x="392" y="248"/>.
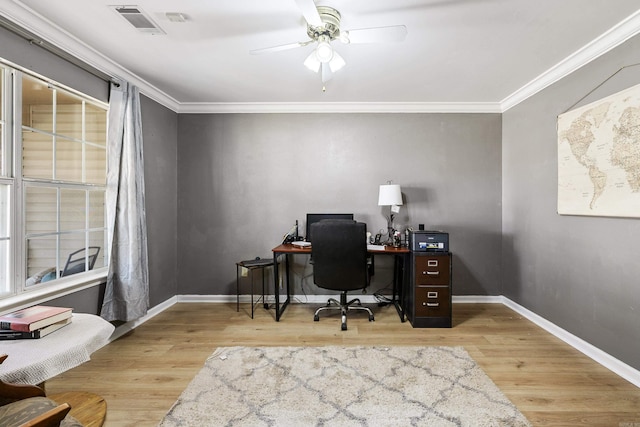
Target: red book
<point x="32" y="318"/>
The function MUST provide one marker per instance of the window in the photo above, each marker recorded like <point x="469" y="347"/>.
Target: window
<point x="54" y="202"/>
<point x="6" y="185"/>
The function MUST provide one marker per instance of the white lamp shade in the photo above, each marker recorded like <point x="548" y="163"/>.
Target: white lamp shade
<point x="389" y="195"/>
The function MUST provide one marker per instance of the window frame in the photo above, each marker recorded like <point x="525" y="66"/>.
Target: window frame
<point x="18" y="294"/>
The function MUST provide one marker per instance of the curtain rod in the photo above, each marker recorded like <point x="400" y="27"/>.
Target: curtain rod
<point x="49" y="47"/>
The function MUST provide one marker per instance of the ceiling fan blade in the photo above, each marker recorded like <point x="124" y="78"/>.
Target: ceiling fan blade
<point x="310" y="12"/>
<point x="395" y="33"/>
<point x="279" y="48"/>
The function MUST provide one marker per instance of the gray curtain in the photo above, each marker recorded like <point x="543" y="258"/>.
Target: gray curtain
<point x="127" y="292"/>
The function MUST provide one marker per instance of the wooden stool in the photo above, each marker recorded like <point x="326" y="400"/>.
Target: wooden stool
<point x="88" y="408"/>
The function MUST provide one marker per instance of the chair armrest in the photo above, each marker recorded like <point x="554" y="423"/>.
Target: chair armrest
<point x="51" y="418"/>
<point x="12" y="392"/>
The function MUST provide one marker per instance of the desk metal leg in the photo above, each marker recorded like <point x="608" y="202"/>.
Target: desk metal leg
<point x="237" y="287"/>
<point x="276" y="289"/>
<point x="280" y="310"/>
<point x="399" y="264"/>
<point x="286" y="274"/>
<point x="264" y="299"/>
<point x="252" y="272"/>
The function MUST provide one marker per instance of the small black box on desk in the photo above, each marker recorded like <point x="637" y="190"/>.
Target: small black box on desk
<point x="428" y="241"/>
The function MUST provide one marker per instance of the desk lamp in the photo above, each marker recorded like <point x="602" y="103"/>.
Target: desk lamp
<point x="390" y="195"/>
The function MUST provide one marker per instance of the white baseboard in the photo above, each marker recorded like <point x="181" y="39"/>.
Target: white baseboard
<point x="319" y="299"/>
<point x="618" y="367"/>
<point x="130" y="326"/>
<point x="622" y="369"/>
<point x="476" y="299"/>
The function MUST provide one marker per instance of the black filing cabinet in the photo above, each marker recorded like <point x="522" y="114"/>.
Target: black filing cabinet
<point x="429" y="297"/>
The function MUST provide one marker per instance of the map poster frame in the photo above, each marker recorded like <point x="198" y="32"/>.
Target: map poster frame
<point x="599" y="157"/>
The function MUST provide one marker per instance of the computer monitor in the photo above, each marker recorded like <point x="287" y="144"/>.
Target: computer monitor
<point x="311" y="218"/>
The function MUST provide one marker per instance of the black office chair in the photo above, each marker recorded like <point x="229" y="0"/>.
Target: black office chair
<point x="76" y="261"/>
<point x="339" y="251"/>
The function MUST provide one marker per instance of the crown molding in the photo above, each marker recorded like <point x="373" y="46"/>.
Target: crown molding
<point x="612" y="38"/>
<point x="340" y="107"/>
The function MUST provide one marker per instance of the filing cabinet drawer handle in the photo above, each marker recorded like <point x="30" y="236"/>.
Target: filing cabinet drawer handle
<point x="431" y="273"/>
<point x="433" y="304"/>
<point x="432" y="263"/>
<point x="432" y="295"/>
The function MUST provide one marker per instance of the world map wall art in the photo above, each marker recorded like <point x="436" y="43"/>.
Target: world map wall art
<point x="599" y="157"/>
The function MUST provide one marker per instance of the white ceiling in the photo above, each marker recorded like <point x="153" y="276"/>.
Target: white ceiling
<point x="459" y="55"/>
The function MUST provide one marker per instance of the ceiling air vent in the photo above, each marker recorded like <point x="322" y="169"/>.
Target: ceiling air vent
<point x="139" y="19"/>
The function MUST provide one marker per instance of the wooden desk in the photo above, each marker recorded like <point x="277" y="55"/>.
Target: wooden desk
<point x="400" y="262"/>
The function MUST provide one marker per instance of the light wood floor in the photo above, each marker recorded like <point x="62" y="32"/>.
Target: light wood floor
<point x="142" y="374"/>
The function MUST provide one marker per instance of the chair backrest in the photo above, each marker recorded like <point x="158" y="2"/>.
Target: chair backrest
<point x="339" y="251"/>
<point x="76" y="260"/>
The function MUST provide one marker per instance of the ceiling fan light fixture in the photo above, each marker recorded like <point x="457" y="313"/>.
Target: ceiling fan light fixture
<point x="312" y="62"/>
<point x="323" y="27"/>
<point x="337" y="62"/>
<point x="324" y="51"/>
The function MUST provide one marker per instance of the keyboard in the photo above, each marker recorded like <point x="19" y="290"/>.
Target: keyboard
<point x="375" y="247"/>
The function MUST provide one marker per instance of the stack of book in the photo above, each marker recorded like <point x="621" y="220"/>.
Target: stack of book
<point x="33" y="322"/>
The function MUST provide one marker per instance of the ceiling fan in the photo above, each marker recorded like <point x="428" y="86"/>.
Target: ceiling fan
<point x="323" y="27"/>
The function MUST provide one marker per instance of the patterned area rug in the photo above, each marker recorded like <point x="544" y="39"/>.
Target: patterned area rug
<point x="342" y="386"/>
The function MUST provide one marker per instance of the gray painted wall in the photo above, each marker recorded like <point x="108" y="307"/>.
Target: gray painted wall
<point x="581" y="273"/>
<point x="244" y="179"/>
<point x="160" y="135"/>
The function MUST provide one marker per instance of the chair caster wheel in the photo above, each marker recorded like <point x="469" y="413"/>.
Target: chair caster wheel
<point x="344" y="327"/>
<point x="371" y="319"/>
<point x="316" y="318"/>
